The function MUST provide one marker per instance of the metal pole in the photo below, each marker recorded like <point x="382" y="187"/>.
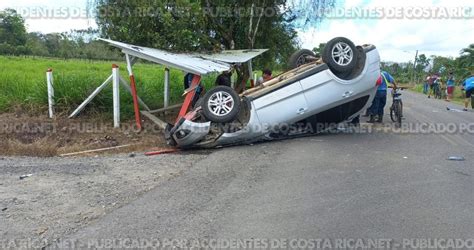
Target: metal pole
<point x="49" y="79"/>
<point x="116" y="94"/>
<point x="189" y="97"/>
<point x="252" y="79"/>
<point x="414" y="68"/>
<point x="89" y="99"/>
<point x="133" y="86"/>
<point x="167" y="88"/>
<point x="126" y="85"/>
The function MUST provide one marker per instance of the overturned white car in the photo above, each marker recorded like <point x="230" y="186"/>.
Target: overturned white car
<point x="315" y="93"/>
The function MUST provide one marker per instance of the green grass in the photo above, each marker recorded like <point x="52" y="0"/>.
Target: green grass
<point x="23" y="84"/>
<point x="458" y="95"/>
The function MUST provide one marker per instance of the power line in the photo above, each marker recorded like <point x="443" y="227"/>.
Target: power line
<point x="448" y="38"/>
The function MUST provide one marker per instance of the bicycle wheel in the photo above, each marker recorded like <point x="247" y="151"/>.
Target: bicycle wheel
<point x="401" y="108"/>
<point x="399" y="113"/>
<point x="393" y="112"/>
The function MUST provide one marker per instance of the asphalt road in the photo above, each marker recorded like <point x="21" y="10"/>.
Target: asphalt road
<point x="383" y="184"/>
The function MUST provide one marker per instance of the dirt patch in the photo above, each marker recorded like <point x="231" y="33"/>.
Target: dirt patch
<point x="57" y="196"/>
<point x="26" y="135"/>
<point x="44" y="199"/>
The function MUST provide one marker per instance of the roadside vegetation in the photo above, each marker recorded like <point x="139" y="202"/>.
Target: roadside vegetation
<point x="458" y="95"/>
<point x="462" y="67"/>
<point x="79" y="61"/>
<point x="23" y="84"/>
<point x="183" y="26"/>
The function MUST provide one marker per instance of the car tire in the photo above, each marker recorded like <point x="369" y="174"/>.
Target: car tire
<point x="221" y="104"/>
<point x="340" y="54"/>
<point x="300" y="57"/>
<point x="198" y="103"/>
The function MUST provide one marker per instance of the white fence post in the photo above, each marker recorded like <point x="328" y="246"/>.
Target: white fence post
<point x="116" y="94"/>
<point x="49" y="80"/>
<point x="167" y="88"/>
<point x="252" y="79"/>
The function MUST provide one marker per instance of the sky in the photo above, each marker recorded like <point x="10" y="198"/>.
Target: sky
<point x="397" y="27"/>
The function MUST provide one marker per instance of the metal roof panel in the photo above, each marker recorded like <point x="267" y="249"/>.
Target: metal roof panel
<point x="234" y="56"/>
<point x="201" y="64"/>
<point x="186" y="62"/>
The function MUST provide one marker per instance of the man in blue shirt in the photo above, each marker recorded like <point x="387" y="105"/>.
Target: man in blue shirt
<point x="468" y="86"/>
<point x="380" y="99"/>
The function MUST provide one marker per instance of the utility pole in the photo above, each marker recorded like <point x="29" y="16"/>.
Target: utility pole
<point x="414" y="68"/>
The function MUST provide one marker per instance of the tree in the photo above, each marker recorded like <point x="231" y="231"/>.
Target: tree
<point x="35" y="43"/>
<point x="466" y="58"/>
<point x="196" y="25"/>
<point x="469" y="51"/>
<point x="308" y="13"/>
<point x="251" y="24"/>
<point x="442" y="64"/>
<point x="52" y="42"/>
<point x="319" y="50"/>
<point x="172" y="25"/>
<point x="12" y="31"/>
<point x="421" y="63"/>
<point x="193" y="25"/>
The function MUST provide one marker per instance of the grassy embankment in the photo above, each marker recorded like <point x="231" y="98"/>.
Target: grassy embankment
<point x="23" y="84"/>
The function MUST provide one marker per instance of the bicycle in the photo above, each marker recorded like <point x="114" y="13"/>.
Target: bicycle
<point x="396" y="110"/>
<point x="437" y="92"/>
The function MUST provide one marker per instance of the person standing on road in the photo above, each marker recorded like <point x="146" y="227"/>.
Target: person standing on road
<point x="434" y="86"/>
<point x="450" y="86"/>
<point x="426" y="85"/>
<point x="380" y="100"/>
<point x="468" y="86"/>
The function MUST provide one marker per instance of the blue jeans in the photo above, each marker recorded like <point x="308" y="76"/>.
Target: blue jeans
<point x="425" y="88"/>
<point x="379" y="103"/>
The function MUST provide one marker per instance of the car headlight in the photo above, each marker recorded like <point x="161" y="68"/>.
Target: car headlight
<point x="182" y="133"/>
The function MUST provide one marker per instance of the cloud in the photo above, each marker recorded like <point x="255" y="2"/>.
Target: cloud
<point x="398" y="39"/>
<point x="49" y="16"/>
<point x="55" y="26"/>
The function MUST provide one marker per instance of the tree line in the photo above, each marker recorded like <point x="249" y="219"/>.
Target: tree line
<point x="462" y="67"/>
<point x="14" y="40"/>
<point x="202" y="25"/>
<point x="181" y="25"/>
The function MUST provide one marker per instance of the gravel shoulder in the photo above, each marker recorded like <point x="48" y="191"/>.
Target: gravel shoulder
<point x="63" y="195"/>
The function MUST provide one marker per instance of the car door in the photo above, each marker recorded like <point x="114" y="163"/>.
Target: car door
<point x="323" y="91"/>
<point x="285" y="105"/>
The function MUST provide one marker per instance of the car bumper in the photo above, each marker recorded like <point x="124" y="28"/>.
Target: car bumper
<point x="189" y="133"/>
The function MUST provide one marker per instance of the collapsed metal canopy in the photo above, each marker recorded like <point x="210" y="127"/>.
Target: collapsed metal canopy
<point x="234" y="56"/>
<point x="200" y="64"/>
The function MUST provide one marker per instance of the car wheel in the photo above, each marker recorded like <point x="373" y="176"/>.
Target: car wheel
<point x="198" y="103"/>
<point x="340" y="54"/>
<point x="221" y="104"/>
<point x="301" y="57"/>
